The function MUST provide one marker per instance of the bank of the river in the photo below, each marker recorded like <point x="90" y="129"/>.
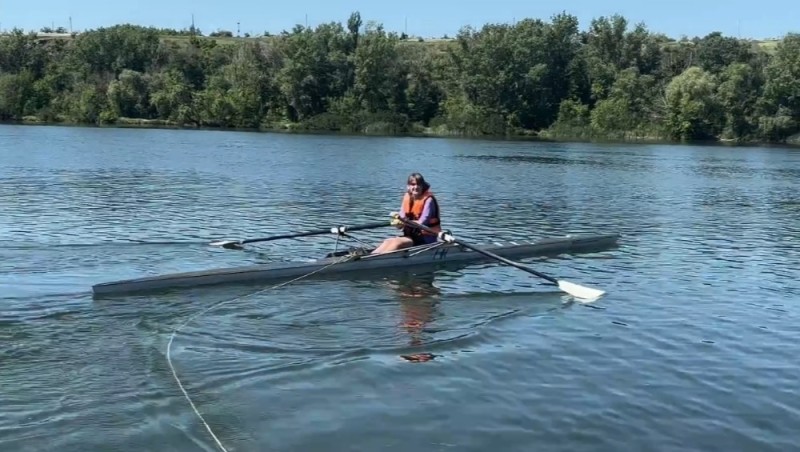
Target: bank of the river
<point x="414" y="130"/>
<point x="547" y="80"/>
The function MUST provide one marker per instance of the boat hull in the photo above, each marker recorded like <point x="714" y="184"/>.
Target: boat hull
<point x="422" y="257"/>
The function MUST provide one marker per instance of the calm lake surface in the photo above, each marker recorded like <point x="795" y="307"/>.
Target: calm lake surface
<point x="694" y="347"/>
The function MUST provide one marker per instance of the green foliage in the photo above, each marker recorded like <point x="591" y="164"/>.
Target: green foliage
<point x="716" y="52"/>
<point x="691" y="107"/>
<point x="115" y="49"/>
<point x="629" y="105"/>
<point x="128" y="95"/>
<point x="614" y="80"/>
<point x="15" y="92"/>
<point x="738" y="93"/>
<point x="172" y="97"/>
<point x="516" y="75"/>
<point x="782" y="88"/>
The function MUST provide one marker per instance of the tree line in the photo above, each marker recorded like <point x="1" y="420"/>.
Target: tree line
<point x="535" y="77"/>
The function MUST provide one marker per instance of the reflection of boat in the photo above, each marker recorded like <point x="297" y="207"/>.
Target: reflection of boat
<point x="420" y="257"/>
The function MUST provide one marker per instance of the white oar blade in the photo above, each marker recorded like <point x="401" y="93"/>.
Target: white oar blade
<point x="578" y="291"/>
<point x="228" y="244"/>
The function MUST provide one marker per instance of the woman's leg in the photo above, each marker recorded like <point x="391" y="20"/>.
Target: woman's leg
<point x="393" y="244"/>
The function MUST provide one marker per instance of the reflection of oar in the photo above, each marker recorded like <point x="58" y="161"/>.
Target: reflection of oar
<point x="237" y="244"/>
<point x="573" y="289"/>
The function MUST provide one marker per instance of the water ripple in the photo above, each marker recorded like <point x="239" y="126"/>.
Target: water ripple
<point x="692" y="348"/>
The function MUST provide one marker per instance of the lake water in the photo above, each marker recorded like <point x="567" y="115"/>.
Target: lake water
<point x="693" y="348"/>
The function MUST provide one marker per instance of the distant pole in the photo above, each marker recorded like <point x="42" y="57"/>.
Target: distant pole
<point x="70" y="24"/>
<point x="405" y="27"/>
<point x="237" y="29"/>
<point x="306" y="20"/>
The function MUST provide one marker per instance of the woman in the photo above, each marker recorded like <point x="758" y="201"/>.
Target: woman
<point x="418" y="205"/>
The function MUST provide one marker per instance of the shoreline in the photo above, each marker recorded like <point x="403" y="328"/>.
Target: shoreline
<point x="682" y="92"/>
<point x="425" y="132"/>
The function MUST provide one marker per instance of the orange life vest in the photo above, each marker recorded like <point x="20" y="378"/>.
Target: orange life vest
<point x="413" y="209"/>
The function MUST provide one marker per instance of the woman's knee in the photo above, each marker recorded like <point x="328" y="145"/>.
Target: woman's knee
<point x="399" y="242"/>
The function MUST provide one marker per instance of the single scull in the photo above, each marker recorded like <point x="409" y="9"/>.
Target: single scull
<point x="421" y="257"/>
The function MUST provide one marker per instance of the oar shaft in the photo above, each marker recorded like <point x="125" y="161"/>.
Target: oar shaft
<point x="576" y="290"/>
<point x="286" y="236"/>
<point x="333" y="230"/>
<point x="507" y="261"/>
<point x="449" y="238"/>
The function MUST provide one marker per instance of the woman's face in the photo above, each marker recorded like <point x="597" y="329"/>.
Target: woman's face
<point x="414" y="188"/>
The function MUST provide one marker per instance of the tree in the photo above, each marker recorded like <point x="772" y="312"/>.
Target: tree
<point x="692" y="110"/>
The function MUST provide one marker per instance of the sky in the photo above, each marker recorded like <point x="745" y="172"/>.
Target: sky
<point x="762" y="19"/>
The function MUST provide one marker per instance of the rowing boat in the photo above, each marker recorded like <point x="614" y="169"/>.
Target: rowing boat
<point x="422" y="257"/>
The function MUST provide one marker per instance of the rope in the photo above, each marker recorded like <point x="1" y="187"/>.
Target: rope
<point x="214" y="306"/>
<point x="428" y="248"/>
<point x="354" y="238"/>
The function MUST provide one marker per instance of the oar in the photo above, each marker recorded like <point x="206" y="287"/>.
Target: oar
<point x="237" y="244"/>
<point x="573" y="289"/>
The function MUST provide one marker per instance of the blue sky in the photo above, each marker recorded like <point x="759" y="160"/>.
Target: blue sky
<point x="748" y="19"/>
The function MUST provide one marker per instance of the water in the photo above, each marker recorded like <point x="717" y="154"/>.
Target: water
<point x="693" y="348"/>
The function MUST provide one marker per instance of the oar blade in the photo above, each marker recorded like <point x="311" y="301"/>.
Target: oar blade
<point x="586" y="294"/>
<point x="227" y="244"/>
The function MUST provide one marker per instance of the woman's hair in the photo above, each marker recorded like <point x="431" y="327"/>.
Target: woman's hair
<point x="417" y="177"/>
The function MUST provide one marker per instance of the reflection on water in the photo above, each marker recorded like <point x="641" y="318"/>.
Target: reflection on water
<point x="418" y="298"/>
